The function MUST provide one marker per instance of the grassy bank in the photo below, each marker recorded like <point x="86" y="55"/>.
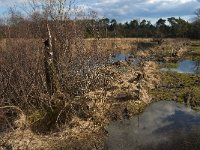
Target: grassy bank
<point x="194" y="51"/>
<point x="181" y="87"/>
<point x="178" y="87"/>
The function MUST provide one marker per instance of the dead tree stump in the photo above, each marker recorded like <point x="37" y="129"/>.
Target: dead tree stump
<point x="52" y="82"/>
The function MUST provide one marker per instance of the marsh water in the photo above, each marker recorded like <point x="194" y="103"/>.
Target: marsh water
<point x="164" y="125"/>
<point x="186" y="66"/>
<point x="125" y="57"/>
<point x="120" y="57"/>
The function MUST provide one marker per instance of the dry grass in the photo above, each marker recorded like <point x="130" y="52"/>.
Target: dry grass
<point x="119" y="44"/>
<point x="90" y="99"/>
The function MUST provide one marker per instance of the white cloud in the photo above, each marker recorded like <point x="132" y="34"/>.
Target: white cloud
<point x="131" y="9"/>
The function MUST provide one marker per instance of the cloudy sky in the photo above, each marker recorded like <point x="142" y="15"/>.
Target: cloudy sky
<point x="125" y="10"/>
<point x="149" y="9"/>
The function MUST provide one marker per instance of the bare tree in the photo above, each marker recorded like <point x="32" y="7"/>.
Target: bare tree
<point x="45" y="68"/>
<point x="197" y="13"/>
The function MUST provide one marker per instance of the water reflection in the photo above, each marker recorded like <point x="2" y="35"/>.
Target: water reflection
<point x="120" y="57"/>
<point x="163" y="125"/>
<point x="186" y="66"/>
<point x="125" y="57"/>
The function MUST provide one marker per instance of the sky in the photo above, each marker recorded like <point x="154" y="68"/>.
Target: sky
<point x="126" y="10"/>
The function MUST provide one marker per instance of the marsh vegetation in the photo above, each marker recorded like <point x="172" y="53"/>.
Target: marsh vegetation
<point x="63" y="81"/>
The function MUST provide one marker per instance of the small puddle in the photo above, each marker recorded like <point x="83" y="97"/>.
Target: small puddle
<point x="124" y="57"/>
<point x="186" y="66"/>
<point x="120" y="57"/>
<point x="163" y="125"/>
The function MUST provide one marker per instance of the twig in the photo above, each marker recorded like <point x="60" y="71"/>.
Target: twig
<point x="14" y="107"/>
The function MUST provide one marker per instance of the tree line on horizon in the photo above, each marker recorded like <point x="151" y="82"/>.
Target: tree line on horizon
<point x="18" y="26"/>
<point x="164" y="28"/>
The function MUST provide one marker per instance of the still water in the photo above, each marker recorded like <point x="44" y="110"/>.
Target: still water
<point x="186" y="66"/>
<point x="164" y="125"/>
<point x="125" y="57"/>
<point x="120" y="57"/>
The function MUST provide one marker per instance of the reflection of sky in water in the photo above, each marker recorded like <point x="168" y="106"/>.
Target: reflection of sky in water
<point x="163" y="125"/>
<point x="123" y="57"/>
<point x="120" y="57"/>
<point x="186" y="66"/>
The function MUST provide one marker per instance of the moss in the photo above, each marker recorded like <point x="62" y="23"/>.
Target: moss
<point x="162" y="94"/>
<point x="194" y="53"/>
<point x="178" y="80"/>
<point x="169" y="65"/>
<point x="196" y="58"/>
<point x="195" y="100"/>
<point x="197" y="50"/>
<point x="179" y="87"/>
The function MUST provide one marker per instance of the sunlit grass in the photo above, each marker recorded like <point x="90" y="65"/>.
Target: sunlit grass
<point x="196" y="51"/>
<point x="170" y="65"/>
<point x="178" y="86"/>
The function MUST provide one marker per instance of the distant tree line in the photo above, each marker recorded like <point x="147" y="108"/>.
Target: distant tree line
<point x="164" y="28"/>
<point x="18" y="26"/>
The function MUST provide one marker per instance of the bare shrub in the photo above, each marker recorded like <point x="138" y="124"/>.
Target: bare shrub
<point x="24" y="79"/>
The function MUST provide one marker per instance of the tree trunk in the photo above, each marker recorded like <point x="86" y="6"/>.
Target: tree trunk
<point x="52" y="82"/>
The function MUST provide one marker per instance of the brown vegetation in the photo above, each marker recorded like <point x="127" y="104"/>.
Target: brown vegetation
<point x="59" y="90"/>
<point x="91" y="95"/>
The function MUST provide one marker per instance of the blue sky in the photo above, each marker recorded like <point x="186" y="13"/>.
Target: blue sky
<point x="126" y="10"/>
